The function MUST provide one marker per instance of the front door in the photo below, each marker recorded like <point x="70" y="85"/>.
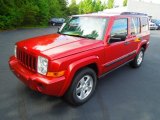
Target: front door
<point x="117" y="51"/>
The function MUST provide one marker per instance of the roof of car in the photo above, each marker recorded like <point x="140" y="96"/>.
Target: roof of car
<point x="103" y="14"/>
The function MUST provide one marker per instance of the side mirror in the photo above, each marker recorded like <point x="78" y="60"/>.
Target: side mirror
<point x="113" y="40"/>
<point x="117" y="38"/>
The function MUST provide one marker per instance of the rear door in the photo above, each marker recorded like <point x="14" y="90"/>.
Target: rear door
<point x="134" y="35"/>
<point x="145" y="32"/>
<point x="138" y="31"/>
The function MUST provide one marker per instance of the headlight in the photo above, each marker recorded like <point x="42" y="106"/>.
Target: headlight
<point x="42" y="65"/>
<point x="15" y="50"/>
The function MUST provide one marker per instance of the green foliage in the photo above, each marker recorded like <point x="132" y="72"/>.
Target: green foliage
<point x="110" y="4"/>
<point x="89" y="6"/>
<point x="125" y="3"/>
<point x="30" y="12"/>
<point x="42" y="12"/>
<point x="9" y="16"/>
<point x="15" y="13"/>
<point x="73" y="8"/>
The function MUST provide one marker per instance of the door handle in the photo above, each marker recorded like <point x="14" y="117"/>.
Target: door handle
<point x="126" y="43"/>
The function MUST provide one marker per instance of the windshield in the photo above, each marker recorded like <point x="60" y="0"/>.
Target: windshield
<point x="156" y="21"/>
<point x="88" y="27"/>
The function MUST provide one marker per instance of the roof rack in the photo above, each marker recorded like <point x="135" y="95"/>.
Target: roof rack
<point x="133" y="13"/>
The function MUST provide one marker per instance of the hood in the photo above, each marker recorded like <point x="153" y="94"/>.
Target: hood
<point x="56" y="46"/>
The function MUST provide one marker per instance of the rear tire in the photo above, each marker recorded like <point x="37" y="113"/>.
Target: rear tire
<point x="82" y="87"/>
<point x="137" y="62"/>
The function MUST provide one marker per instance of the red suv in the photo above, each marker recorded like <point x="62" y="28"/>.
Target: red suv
<point x="86" y="47"/>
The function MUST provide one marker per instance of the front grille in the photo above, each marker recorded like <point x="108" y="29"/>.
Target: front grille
<point x="28" y="60"/>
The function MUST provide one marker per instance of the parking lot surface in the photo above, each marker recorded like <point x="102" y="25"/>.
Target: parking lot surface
<point x="124" y="94"/>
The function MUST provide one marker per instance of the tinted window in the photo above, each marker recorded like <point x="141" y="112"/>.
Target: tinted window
<point x="135" y="26"/>
<point x="120" y="26"/>
<point x="144" y="24"/>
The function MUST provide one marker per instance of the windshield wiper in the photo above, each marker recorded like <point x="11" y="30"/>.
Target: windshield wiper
<point x="82" y="36"/>
<point x="77" y="36"/>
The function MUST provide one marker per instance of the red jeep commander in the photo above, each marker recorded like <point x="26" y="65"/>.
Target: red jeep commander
<point x="86" y="47"/>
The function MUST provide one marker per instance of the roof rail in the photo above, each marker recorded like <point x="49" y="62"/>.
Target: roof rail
<point x="133" y="13"/>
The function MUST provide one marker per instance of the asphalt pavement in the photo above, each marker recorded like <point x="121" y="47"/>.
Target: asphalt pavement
<point x="124" y="94"/>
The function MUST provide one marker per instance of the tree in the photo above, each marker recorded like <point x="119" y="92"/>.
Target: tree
<point x="10" y="16"/>
<point x="90" y="6"/>
<point x="104" y="6"/>
<point x="16" y="13"/>
<point x="30" y="12"/>
<point x="43" y="12"/>
<point x="63" y="8"/>
<point x="97" y="5"/>
<point x="73" y="8"/>
<point x="87" y="6"/>
<point x="80" y="7"/>
<point x="110" y="4"/>
<point x="125" y="3"/>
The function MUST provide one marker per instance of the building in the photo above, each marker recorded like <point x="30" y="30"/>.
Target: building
<point x="150" y="8"/>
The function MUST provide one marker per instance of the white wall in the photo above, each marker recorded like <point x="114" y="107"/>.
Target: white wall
<point x="151" y="9"/>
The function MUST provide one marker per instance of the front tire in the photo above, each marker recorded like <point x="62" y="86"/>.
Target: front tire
<point x="137" y="62"/>
<point x="82" y="87"/>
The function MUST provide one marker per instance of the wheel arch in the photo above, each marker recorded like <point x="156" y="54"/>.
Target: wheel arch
<point x="90" y="62"/>
<point x="144" y="46"/>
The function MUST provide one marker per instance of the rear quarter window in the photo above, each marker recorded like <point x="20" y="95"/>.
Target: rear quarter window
<point x="144" y="24"/>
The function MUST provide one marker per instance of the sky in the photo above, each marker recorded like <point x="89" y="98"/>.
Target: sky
<point x="120" y="2"/>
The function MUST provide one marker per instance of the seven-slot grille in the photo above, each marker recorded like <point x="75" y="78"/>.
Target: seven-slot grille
<point x="26" y="59"/>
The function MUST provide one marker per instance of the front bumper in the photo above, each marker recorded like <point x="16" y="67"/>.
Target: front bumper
<point x="35" y="81"/>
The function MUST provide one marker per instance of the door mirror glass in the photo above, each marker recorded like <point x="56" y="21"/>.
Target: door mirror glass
<point x="117" y="38"/>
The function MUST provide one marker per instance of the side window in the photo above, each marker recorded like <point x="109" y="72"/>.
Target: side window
<point x="144" y="24"/>
<point x="120" y="27"/>
<point x="119" y="30"/>
<point x="135" y="26"/>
